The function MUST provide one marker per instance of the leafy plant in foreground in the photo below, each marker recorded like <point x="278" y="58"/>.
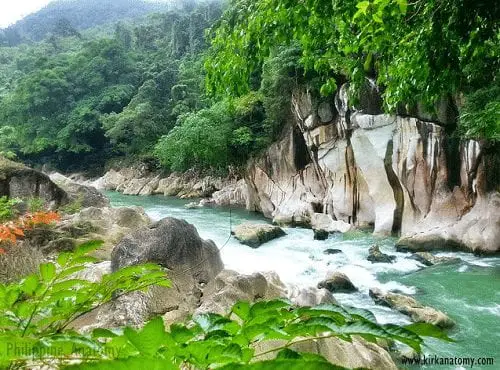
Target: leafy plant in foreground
<point x="235" y="340"/>
<point x="37" y="313"/>
<point x="7" y="208"/>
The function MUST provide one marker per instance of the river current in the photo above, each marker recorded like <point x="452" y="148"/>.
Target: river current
<point x="468" y="291"/>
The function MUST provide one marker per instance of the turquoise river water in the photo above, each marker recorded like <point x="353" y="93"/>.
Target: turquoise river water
<point x="468" y="291"/>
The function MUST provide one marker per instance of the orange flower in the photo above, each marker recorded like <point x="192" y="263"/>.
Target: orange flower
<point x="11" y="231"/>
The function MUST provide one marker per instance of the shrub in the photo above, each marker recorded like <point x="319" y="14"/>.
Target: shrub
<point x="37" y="313"/>
<point x="7" y="208"/>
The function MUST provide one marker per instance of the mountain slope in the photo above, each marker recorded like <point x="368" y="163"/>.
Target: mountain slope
<point x="79" y="15"/>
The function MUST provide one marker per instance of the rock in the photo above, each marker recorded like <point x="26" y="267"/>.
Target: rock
<point x="230" y="287"/>
<point x="332" y="251"/>
<point x="376" y="256"/>
<point x="411" y="307"/>
<point x="428" y="259"/>
<point x="311" y="296"/>
<point x="393" y="174"/>
<point x="321" y="221"/>
<point x="233" y="194"/>
<point x="478" y="231"/>
<point x="191" y="262"/>
<point x="207" y="202"/>
<point x="192" y="205"/>
<point x="325" y="112"/>
<point x="84" y="196"/>
<point x="107" y="224"/>
<point x="320" y="234"/>
<point x="110" y="181"/>
<point x="19" y="181"/>
<point x="356" y="354"/>
<point x="172" y="243"/>
<point x="337" y="283"/>
<point x="19" y="261"/>
<point x="254" y="235"/>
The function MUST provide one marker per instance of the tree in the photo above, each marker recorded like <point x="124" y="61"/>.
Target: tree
<point x="417" y="51"/>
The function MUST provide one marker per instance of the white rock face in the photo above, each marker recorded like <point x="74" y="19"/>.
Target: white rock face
<point x="392" y="173"/>
<point x="322" y="221"/>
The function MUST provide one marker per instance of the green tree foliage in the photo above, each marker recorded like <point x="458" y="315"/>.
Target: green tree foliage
<point x="224" y="134"/>
<point x="110" y="95"/>
<point x="417" y="51"/>
<point x="199" y="140"/>
<point x="37" y="313"/>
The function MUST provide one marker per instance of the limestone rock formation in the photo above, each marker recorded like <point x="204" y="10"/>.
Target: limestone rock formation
<point x="254" y="235"/>
<point x="173" y="244"/>
<point x="337" y="283"/>
<point x="19" y="181"/>
<point x="393" y="173"/>
<point x="428" y="259"/>
<point x="85" y="196"/>
<point x="411" y="307"/>
<point x="376" y="256"/>
<point x="140" y="180"/>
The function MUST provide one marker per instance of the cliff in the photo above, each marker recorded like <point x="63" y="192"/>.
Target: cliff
<point x="400" y="174"/>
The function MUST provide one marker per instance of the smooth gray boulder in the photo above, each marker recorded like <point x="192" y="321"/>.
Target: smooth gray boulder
<point x="376" y="256"/>
<point x="337" y="283"/>
<point x="19" y="181"/>
<point x="428" y="259"/>
<point x="411" y="307"/>
<point x="171" y="243"/>
<point x="255" y="235"/>
<point x="85" y="196"/>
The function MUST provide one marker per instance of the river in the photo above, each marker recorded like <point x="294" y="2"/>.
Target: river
<point x="468" y="291"/>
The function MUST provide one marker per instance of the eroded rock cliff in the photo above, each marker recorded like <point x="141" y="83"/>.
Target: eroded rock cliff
<point x="396" y="173"/>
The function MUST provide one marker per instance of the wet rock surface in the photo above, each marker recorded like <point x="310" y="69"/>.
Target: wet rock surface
<point x="411" y="307"/>
<point x="376" y="256"/>
<point x="337" y="282"/>
<point x="254" y="235"/>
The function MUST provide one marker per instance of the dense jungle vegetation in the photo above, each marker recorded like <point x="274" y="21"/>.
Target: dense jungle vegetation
<point x="207" y="84"/>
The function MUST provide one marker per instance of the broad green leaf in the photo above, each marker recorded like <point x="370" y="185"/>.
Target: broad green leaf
<point x="30" y="284"/>
<point x="47" y="271"/>
<point x="103" y="333"/>
<point x="88" y="247"/>
<point x="242" y="310"/>
<point x="287" y="353"/>
<point x="149" y="339"/>
<point x="363" y="6"/>
<point x="428" y="330"/>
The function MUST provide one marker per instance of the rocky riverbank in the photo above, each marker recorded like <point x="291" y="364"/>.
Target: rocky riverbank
<point x="338" y="167"/>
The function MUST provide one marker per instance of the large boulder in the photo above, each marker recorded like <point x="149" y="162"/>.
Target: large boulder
<point x="428" y="259"/>
<point x="254" y="235"/>
<point x="173" y="244"/>
<point x="337" y="283"/>
<point x="376" y="256"/>
<point x="233" y="194"/>
<point x="411" y="307"/>
<point x="324" y="222"/>
<point x="230" y="287"/>
<point x="356" y="354"/>
<point x="85" y="196"/>
<point x="107" y="224"/>
<point x="190" y="261"/>
<point x="19" y="181"/>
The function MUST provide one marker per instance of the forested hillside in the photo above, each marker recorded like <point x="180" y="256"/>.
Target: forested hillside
<point x="141" y="91"/>
<point x="63" y="17"/>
